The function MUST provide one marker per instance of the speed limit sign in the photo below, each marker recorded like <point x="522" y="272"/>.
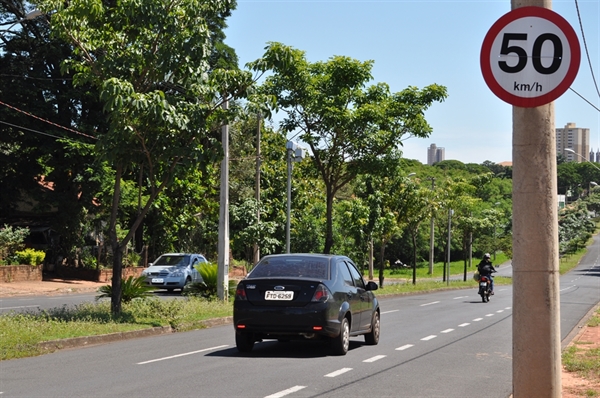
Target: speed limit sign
<point x="530" y="57"/>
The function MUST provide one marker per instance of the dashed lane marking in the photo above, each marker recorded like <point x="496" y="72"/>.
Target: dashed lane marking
<point x="338" y="372"/>
<point x="404" y="347"/>
<point x="433" y="336"/>
<point x="285" y="392"/>
<point x="434" y="302"/>
<point x="462" y="325"/>
<point x="447" y="331"/>
<point x="375" y="358"/>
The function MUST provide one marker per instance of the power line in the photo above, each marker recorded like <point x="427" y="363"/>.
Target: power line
<point x="586" y="50"/>
<point x="45" y="121"/>
<point x="36" y="131"/>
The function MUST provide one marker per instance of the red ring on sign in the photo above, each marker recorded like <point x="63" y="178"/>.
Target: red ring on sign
<point x="486" y="49"/>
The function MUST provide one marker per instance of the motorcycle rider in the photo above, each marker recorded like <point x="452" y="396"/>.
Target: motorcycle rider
<point x="486" y="269"/>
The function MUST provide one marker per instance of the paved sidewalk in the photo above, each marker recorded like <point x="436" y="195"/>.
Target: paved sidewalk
<point x="48" y="287"/>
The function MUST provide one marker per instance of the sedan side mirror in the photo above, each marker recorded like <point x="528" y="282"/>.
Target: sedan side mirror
<point x="372" y="286"/>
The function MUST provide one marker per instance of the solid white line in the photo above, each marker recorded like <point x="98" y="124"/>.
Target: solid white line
<point x="338" y="372"/>
<point x="285" y="392"/>
<point x="404" y="347"/>
<point x="435" y="302"/>
<point x="477" y="319"/>
<point x="21" y="306"/>
<point x="490" y="315"/>
<point x="447" y="331"/>
<point x="462" y="325"/>
<point x="181" y="355"/>
<point x="433" y="336"/>
<point x="375" y="358"/>
<point x="388" y="312"/>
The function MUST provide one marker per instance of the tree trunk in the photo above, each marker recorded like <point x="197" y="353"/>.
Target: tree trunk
<point x="381" y="262"/>
<point x="329" y="223"/>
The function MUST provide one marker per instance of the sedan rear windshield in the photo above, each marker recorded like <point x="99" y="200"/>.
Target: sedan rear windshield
<point x="294" y="267"/>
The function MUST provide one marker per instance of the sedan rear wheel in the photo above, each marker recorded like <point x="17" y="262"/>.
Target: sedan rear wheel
<point x="244" y="341"/>
<point x="341" y="343"/>
<point x="372" y="338"/>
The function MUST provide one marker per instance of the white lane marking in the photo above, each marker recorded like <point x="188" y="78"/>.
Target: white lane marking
<point x="459" y="297"/>
<point x="181" y="355"/>
<point x="404" y="347"/>
<point x="447" y="331"/>
<point x="462" y="325"/>
<point x="499" y="311"/>
<point x="338" y="372"/>
<point x="375" y="358"/>
<point x="435" y="302"/>
<point x="477" y="319"/>
<point x="490" y="315"/>
<point x="567" y="288"/>
<point x="21" y="306"/>
<point x="285" y="392"/>
<point x="433" y="336"/>
<point x="508" y="308"/>
<point x="388" y="312"/>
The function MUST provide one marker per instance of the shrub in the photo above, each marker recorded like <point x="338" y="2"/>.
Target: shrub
<point x="208" y="287"/>
<point x="30" y="257"/>
<point x="11" y="240"/>
<point x="131" y="288"/>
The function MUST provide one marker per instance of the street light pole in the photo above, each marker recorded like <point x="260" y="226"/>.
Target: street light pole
<point x="583" y="157"/>
<point x="294" y="154"/>
<point x="431" y="231"/>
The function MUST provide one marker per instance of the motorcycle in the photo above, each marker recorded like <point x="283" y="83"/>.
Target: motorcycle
<point x="485" y="288"/>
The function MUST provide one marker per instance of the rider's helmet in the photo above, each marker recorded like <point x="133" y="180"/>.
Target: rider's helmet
<point x="487" y="256"/>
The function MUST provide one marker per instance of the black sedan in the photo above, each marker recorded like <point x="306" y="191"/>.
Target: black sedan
<point x="305" y="296"/>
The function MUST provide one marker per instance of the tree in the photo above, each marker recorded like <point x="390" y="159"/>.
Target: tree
<point x="350" y="128"/>
<point x="151" y="65"/>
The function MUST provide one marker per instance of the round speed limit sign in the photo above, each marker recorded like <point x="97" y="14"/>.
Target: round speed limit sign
<point x="530" y="57"/>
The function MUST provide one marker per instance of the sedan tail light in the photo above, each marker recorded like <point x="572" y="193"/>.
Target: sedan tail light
<point x="321" y="295"/>
<point x="240" y="293"/>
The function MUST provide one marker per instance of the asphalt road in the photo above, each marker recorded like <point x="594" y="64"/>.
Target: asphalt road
<point x="443" y="344"/>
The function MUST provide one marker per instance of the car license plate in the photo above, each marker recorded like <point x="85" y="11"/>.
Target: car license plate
<point x="158" y="280"/>
<point x="281" y="296"/>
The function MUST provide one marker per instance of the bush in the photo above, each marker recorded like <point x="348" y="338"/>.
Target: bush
<point x="11" y="240"/>
<point x="30" y="257"/>
<point x="132" y="287"/>
<point x="208" y="287"/>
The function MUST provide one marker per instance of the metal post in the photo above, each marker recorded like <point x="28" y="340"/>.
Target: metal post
<point x="223" y="246"/>
<point x="449" y="245"/>
<point x="431" y="232"/>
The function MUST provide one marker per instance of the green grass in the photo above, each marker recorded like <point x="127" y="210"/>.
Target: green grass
<point x="20" y="334"/>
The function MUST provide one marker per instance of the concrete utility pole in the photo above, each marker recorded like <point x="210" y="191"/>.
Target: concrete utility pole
<point x="256" y="249"/>
<point x="223" y="246"/>
<point x="536" y="308"/>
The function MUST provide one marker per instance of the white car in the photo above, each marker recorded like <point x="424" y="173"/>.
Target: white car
<point x="174" y="270"/>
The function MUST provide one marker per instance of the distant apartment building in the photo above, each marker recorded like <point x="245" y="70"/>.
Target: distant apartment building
<point x="435" y="154"/>
<point x="576" y="139"/>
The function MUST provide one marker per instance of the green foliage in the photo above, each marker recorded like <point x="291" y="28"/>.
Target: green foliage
<point x="131" y="288"/>
<point x="208" y="287"/>
<point x="30" y="256"/>
<point x="11" y="240"/>
<point x="328" y="103"/>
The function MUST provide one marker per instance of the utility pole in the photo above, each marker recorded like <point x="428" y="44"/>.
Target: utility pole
<point x="256" y="248"/>
<point x="223" y="246"/>
<point x="536" y="306"/>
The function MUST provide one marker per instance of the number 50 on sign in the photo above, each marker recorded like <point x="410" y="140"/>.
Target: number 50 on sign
<point x="530" y="57"/>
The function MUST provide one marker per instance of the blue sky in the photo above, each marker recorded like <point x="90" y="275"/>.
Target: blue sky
<point x="417" y="43"/>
